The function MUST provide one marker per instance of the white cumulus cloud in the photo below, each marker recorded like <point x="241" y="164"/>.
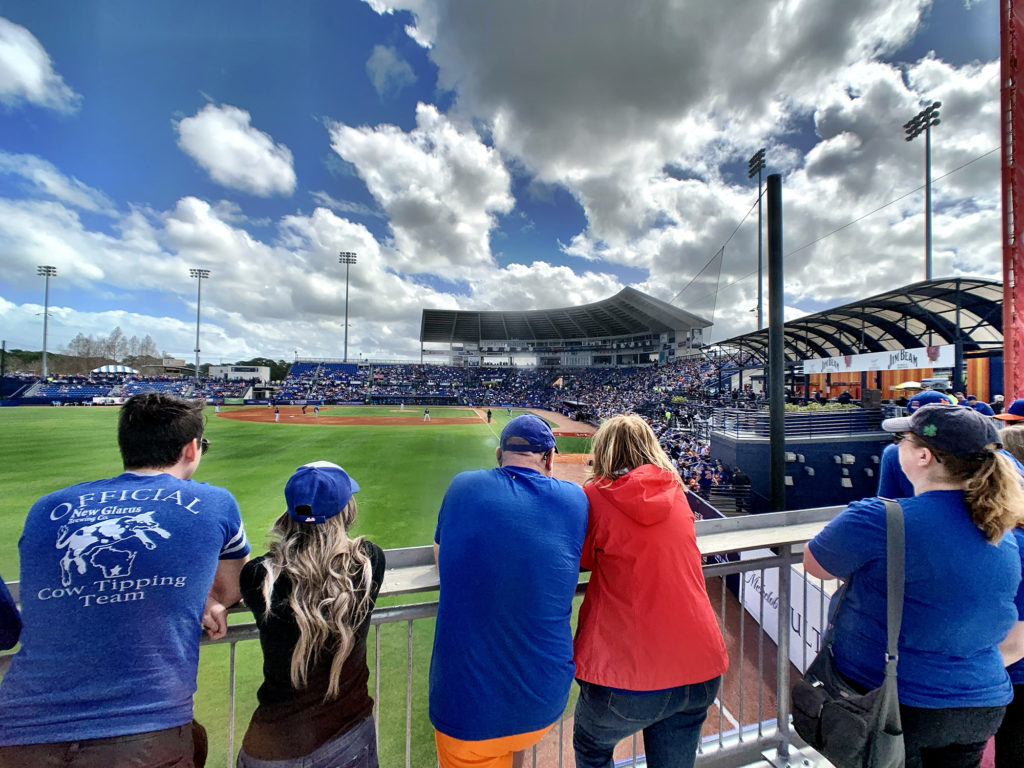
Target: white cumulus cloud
<point x="27" y="73"/>
<point x="236" y="154"/>
<point x="439" y="184"/>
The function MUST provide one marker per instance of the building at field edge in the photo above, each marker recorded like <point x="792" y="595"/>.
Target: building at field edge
<point x="630" y="328"/>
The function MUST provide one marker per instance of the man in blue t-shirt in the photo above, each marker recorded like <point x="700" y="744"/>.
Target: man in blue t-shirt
<point x="118" y="579"/>
<point x="508" y="546"/>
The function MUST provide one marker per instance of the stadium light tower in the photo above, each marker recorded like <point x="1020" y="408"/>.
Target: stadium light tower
<point x="199" y="275"/>
<point x="47" y="272"/>
<point x="922" y="122"/>
<point x="348" y="258"/>
<point x="756" y="165"/>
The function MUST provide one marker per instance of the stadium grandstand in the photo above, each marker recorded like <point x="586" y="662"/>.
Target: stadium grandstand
<point x="630" y="328"/>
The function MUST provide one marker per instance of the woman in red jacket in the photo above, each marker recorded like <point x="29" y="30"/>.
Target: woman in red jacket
<point x="649" y="652"/>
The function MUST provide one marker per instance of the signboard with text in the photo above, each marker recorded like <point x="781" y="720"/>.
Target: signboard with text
<point x="891" y="360"/>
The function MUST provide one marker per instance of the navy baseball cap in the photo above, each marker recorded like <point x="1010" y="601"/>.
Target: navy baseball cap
<point x="960" y="431"/>
<point x="926" y="397"/>
<point x="318" y="491"/>
<point x="1015" y="411"/>
<point x="527" y="434"/>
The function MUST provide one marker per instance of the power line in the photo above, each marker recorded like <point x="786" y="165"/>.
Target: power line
<point x="891" y="202"/>
<point x="715" y="256"/>
<point x="838" y="229"/>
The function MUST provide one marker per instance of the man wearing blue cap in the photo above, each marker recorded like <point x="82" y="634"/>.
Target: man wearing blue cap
<point x="508" y="544"/>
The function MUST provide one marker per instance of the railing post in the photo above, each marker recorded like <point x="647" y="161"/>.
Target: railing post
<point x="782" y="675"/>
<point x="233" y="682"/>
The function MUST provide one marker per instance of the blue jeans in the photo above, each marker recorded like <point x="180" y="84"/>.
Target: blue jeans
<point x="356" y="748"/>
<point x="671" y="721"/>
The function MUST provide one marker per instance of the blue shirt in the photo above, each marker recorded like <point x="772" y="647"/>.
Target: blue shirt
<point x="114" y="579"/>
<point x="958" y="601"/>
<point x="510" y="543"/>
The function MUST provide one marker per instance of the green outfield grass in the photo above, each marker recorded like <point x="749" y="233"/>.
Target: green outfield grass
<point x="402" y="472"/>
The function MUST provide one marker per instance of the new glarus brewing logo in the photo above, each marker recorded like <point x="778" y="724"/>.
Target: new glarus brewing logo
<point x="903" y="357"/>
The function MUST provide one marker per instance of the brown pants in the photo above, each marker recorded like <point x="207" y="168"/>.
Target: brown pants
<point x="184" y="746"/>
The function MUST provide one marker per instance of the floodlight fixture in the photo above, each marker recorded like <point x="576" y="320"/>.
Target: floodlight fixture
<point x="199" y="275"/>
<point x="754" y="167"/>
<point x="46" y="271"/>
<point x="348" y="258"/>
<point x="922" y="122"/>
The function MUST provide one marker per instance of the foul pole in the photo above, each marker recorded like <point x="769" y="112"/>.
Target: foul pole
<point x="1011" y="23"/>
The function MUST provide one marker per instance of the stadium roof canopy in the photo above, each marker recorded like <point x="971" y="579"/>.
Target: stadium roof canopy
<point x="929" y="313"/>
<point x="629" y="312"/>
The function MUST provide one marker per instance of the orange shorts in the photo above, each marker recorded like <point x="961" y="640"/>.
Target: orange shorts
<point x="489" y="753"/>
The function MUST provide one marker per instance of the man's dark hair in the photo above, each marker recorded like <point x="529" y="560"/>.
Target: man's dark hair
<point x="153" y="428"/>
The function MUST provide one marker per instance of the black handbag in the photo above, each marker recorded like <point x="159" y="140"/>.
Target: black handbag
<point x="851" y="728"/>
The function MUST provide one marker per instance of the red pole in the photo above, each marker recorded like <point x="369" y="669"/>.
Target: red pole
<point x="1011" y="23"/>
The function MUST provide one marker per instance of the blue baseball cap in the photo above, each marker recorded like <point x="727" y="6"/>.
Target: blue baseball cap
<point x="927" y="397"/>
<point x="318" y="491"/>
<point x="527" y="434"/>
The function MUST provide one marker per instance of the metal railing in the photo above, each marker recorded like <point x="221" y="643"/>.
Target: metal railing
<point x="799" y="424"/>
<point x="749" y="568"/>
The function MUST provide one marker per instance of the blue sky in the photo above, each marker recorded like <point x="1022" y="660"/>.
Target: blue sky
<point x="500" y="155"/>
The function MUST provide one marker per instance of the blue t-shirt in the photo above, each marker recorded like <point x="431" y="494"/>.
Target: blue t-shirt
<point x="1017" y="670"/>
<point x="114" y="579"/>
<point x="893" y="482"/>
<point x="958" y="600"/>
<point x="510" y="544"/>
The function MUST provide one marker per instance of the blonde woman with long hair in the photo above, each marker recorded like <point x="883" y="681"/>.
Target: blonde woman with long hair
<point x="962" y="572"/>
<point x="649" y="653"/>
<point x="312" y="595"/>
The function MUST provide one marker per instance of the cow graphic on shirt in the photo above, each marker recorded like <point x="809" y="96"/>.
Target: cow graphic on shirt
<point x="95" y="544"/>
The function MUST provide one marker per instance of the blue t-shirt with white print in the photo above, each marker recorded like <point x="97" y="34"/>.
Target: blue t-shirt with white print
<point x="114" y="579"/>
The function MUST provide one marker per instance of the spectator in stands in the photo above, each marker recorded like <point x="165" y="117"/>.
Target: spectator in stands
<point x="962" y="575"/>
<point x="312" y="595"/>
<point x="893" y="482"/>
<point x="117" y="576"/>
<point x="1010" y="736"/>
<point x="508" y="544"/>
<point x="979" y="405"/>
<point x="741" y="483"/>
<point x="1014" y="413"/>
<point x="10" y="619"/>
<point x="997" y="404"/>
<point x="646" y="600"/>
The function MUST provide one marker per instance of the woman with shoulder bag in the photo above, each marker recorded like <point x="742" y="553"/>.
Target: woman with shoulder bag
<point x="312" y="595"/>
<point x="961" y="576"/>
<point x="649" y="652"/>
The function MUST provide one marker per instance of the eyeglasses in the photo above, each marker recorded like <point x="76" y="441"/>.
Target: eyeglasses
<point x="899" y="437"/>
<point x="204" y="445"/>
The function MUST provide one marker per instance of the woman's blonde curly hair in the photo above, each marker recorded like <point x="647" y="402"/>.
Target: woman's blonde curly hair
<point x="624" y="443"/>
<point x="331" y="578"/>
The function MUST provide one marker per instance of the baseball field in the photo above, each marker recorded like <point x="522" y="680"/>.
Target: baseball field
<point x="402" y="464"/>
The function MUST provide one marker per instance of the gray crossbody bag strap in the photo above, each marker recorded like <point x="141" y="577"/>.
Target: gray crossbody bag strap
<point x="895" y="576"/>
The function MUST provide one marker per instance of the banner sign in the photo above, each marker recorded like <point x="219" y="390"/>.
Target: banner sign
<point x="806" y="628"/>
<point x="892" y="360"/>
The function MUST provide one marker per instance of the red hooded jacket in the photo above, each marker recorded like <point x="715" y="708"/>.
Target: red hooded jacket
<point x="646" y="622"/>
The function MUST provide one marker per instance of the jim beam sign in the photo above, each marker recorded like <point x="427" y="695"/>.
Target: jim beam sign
<point x="893" y="360"/>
